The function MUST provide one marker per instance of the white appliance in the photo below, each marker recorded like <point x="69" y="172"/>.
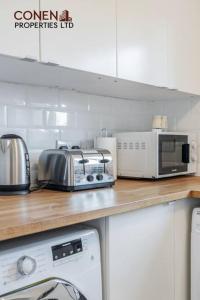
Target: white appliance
<point x="195" y="257"/>
<point x="62" y="265"/>
<point x="156" y="154"/>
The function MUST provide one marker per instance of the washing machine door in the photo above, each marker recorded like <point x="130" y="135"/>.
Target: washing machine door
<point x="49" y="289"/>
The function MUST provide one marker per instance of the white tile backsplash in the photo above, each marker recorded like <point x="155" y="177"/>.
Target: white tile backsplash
<point x="103" y="105"/>
<point x="73" y="101"/>
<point x="42" y="97"/>
<point x="107" y="121"/>
<point x="60" y="119"/>
<point x="88" y="120"/>
<point x="42" y="115"/>
<point x="3" y="115"/>
<point x="24" y="117"/>
<point x="42" y="138"/>
<point x="73" y="135"/>
<point x="13" y="94"/>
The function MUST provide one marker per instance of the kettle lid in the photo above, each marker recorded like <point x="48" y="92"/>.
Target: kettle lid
<point x="11" y="136"/>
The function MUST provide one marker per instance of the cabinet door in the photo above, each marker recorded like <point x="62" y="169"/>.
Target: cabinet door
<point x="141" y="39"/>
<point x="140" y="255"/>
<point x="91" y="44"/>
<point x="19" y="42"/>
<point x="182" y="231"/>
<point x="184" y="45"/>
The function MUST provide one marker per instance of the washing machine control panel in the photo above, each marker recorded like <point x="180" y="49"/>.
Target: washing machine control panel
<point x="67" y="249"/>
<point x="31" y="260"/>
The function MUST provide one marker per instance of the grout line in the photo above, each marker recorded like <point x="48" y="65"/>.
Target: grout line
<point x="40" y="48"/>
<point x="6" y="116"/>
<point x="174" y="252"/>
<point x="116" y="36"/>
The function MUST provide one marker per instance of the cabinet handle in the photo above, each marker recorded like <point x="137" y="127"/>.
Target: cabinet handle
<point x="49" y="63"/>
<point x="29" y="59"/>
<point x="173" y="89"/>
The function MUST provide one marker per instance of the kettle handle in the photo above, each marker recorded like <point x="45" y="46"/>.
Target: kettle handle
<point x="11" y="136"/>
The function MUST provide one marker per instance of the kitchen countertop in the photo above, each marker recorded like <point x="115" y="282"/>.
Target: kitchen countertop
<point x="45" y="209"/>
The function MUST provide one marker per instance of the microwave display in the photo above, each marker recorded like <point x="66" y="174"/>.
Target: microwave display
<point x="173" y="154"/>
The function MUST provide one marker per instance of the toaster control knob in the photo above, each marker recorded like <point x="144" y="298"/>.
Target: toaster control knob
<point x="90" y="178"/>
<point x="26" y="265"/>
<point x="99" y="177"/>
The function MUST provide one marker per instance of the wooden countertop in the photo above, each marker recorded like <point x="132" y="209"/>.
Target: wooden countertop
<point x="44" y="210"/>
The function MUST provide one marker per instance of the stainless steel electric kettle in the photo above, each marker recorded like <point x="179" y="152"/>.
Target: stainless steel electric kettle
<point x="14" y="165"/>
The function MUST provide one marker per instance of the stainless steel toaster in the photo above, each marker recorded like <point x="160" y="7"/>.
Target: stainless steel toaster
<point x="14" y="165"/>
<point x="71" y="170"/>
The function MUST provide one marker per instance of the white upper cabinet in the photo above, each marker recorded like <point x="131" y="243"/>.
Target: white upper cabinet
<point x="141" y="40"/>
<point x="91" y="44"/>
<point x="159" y="43"/>
<point x="19" y="42"/>
<point x="155" y="42"/>
<point x="184" y="45"/>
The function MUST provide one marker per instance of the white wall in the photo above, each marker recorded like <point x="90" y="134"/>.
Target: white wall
<point x="42" y="115"/>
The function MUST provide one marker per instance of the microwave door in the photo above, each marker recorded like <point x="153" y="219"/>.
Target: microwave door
<point x="173" y="154"/>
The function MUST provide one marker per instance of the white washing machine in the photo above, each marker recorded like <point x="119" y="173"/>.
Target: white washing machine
<point x="195" y="255"/>
<point x="61" y="265"/>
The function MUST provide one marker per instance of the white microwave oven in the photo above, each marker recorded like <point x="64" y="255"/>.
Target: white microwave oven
<point x="156" y="154"/>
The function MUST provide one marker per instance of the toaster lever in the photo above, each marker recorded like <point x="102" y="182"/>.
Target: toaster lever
<point x="104" y="161"/>
<point x="83" y="161"/>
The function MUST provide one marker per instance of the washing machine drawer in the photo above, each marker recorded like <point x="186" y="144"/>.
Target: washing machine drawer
<point x="49" y="289"/>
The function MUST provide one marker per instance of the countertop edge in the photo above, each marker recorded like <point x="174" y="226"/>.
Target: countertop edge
<point x="58" y="222"/>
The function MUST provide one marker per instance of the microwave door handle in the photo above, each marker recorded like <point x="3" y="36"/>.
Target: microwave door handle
<point x="186" y="153"/>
